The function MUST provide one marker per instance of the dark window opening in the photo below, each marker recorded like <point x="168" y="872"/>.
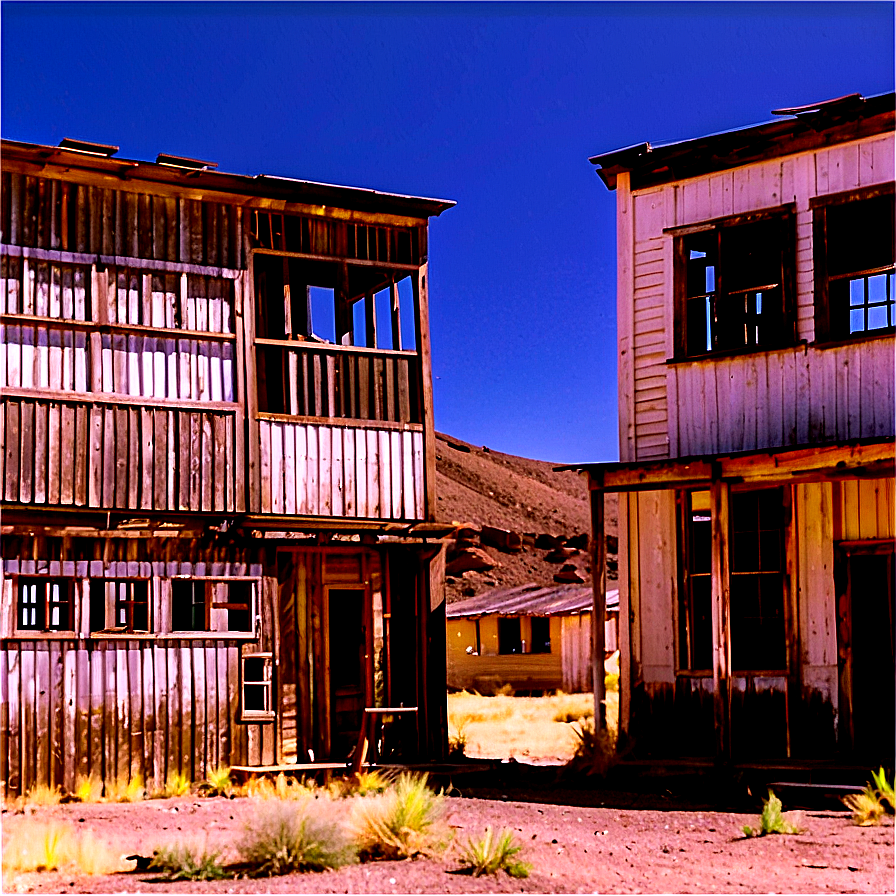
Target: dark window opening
<point x="257" y="682"/>
<point x="509" y="638"/>
<point x="695" y="608"/>
<point x="734" y="287"/>
<point x="237" y="600"/>
<point x="757" y="580"/>
<point x="188" y="606"/>
<point x="131" y="605"/>
<point x="44" y="605"/>
<point x="854" y="263"/>
<point x="541" y="635"/>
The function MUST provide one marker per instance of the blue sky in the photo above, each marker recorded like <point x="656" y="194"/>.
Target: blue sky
<point x="497" y="106"/>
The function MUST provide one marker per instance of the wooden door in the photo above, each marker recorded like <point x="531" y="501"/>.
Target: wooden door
<point x="349" y="664"/>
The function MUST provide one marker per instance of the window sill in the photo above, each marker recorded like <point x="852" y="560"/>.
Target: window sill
<point x="255" y="718"/>
<point x="736" y="353"/>
<point x="856" y="338"/>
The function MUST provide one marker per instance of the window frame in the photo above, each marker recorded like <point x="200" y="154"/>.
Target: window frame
<point x="70" y="583"/>
<point x="787" y="336"/>
<point x="115" y="630"/>
<point x="269" y="713"/>
<point x="210" y="604"/>
<point x="826" y="330"/>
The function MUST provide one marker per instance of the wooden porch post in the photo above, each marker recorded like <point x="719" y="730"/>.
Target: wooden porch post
<point x="721" y="618"/>
<point x="421" y="320"/>
<point x="599" y="601"/>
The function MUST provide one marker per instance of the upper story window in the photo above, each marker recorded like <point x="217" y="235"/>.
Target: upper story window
<point x="733" y="283"/>
<point x="204" y="605"/>
<point x="855" y="283"/>
<point x="44" y="604"/>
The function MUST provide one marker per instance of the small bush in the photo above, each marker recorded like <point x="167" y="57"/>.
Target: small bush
<point x="572" y="713"/>
<point x="88" y="790"/>
<point x="457" y="738"/>
<point x="281" y="788"/>
<point x="491" y="855"/>
<point x="367" y="783"/>
<point x="772" y="820"/>
<point x="125" y="790"/>
<point x="401" y="823"/>
<point x="218" y="782"/>
<point x="285" y="836"/>
<point x="52" y="845"/>
<point x="595" y="751"/>
<point x="187" y="861"/>
<point x="875" y="801"/>
<point x="611" y="681"/>
<point x="42" y="795"/>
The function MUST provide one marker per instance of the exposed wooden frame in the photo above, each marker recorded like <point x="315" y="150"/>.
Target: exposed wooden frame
<point x="424" y="349"/>
<point x="598" y="612"/>
<point x="721" y="618"/>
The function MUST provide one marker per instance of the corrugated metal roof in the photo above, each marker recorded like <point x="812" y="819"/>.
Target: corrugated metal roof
<point x="531" y="600"/>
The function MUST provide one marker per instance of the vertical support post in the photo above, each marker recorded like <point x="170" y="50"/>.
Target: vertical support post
<point x="421" y="320"/>
<point x="370" y="318"/>
<point x="343" y="313"/>
<point x="721" y="618"/>
<point x="396" y="316"/>
<point x="599" y="600"/>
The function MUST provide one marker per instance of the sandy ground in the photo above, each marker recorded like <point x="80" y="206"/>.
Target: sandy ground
<point x="573" y="849"/>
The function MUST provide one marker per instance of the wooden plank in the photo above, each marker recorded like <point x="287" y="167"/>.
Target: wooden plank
<point x="349" y="493"/>
<point x="419" y="504"/>
<point x="302" y="468"/>
<point x="42" y="713"/>
<point x="264" y="438"/>
<point x="313" y="487"/>
<point x="147" y="456"/>
<point x="721" y="613"/>
<point x="421" y="308"/>
<point x="110" y="443"/>
<point x="12" y="450"/>
<point x="95" y="458"/>
<point x="41" y="446"/>
<point x="373" y="474"/>
<point x="325" y="507"/>
<point x="289" y="468"/>
<point x="395" y="474"/>
<point x="54" y="444"/>
<point x="337" y="480"/>
<point x="384" y="457"/>
<point x="160" y="460"/>
<point x="360" y="468"/>
<point x="26" y="470"/>
<point x="276" y="467"/>
<point x="12" y="699"/>
<point x="407" y="473"/>
<point x="220" y="449"/>
<point x="120" y="455"/>
<point x="69" y="733"/>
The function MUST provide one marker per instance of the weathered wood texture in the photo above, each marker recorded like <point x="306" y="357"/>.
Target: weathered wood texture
<point x="55" y="214"/>
<point x="64" y="451"/>
<point x="340" y="471"/>
<point x="760" y="400"/>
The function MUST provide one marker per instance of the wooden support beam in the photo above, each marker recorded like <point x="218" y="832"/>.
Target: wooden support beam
<point x="721" y="619"/>
<point x="396" y="316"/>
<point x="598" y="611"/>
<point x="421" y="320"/>
<point x="370" y="319"/>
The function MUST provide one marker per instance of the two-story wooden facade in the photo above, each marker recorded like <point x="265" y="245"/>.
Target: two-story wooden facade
<point x="218" y="537"/>
<point x="756" y="312"/>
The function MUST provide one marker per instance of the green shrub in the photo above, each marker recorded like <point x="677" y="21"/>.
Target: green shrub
<point x="176" y="784"/>
<point x="187" y="861"/>
<point x="401" y="823"/>
<point x="287" y="836"/>
<point x="595" y="751"/>
<point x="490" y="855"/>
<point x="772" y="820"/>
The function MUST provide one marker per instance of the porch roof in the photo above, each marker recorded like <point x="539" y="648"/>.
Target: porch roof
<point x="531" y="600"/>
<point x="869" y="458"/>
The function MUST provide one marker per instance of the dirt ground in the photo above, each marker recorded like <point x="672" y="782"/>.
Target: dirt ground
<point x="573" y="849"/>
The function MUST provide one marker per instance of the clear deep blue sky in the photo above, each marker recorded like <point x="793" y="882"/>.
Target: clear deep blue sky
<point x="496" y="106"/>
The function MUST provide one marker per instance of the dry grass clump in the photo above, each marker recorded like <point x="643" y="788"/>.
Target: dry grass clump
<point x="89" y="789"/>
<point x="54" y="845"/>
<point x="874" y="802"/>
<point x="40" y="795"/>
<point x="176" y="784"/>
<point x="491" y="854"/>
<point x="280" y="788"/>
<point x="218" y="782"/>
<point x="401" y="823"/>
<point x="124" y="789"/>
<point x="595" y="750"/>
<point x="188" y="861"/>
<point x="286" y="836"/>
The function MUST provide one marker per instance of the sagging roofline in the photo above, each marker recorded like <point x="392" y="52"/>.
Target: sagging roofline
<point x="195" y="175"/>
<point x="858" y="458"/>
<point x="804" y="127"/>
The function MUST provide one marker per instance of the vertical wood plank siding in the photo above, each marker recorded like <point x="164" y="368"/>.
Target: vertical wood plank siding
<point x="99" y="455"/>
<point x="341" y="471"/>
<point x="767" y="399"/>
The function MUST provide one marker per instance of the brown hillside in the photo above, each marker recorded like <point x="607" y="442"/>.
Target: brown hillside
<point x="479" y="487"/>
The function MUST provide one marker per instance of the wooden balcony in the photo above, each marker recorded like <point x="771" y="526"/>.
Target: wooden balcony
<point x="339" y="431"/>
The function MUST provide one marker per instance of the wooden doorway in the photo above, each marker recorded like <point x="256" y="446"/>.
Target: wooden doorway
<point x="349" y="664"/>
<point x="866" y="648"/>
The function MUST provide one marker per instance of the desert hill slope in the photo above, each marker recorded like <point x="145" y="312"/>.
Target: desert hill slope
<point x="479" y="487"/>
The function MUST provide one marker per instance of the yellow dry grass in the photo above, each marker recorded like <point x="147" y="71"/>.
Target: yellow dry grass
<point x="38" y="845"/>
<point x="522" y="728"/>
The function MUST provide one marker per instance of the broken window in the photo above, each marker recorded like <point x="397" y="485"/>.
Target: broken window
<point x="120" y="605"/>
<point x="541" y="635"/>
<point x="757" y="582"/>
<point x="205" y="605"/>
<point x="734" y="286"/>
<point x="45" y="605"/>
<point x="855" y="276"/>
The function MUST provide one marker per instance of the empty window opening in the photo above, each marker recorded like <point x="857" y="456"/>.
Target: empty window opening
<point x="212" y="605"/>
<point x="119" y="605"/>
<point x="695" y="607"/>
<point x="734" y="284"/>
<point x="509" y="636"/>
<point x="45" y="605"/>
<point x="257" y="678"/>
<point x="541" y="635"/>
<point x="322" y="302"/>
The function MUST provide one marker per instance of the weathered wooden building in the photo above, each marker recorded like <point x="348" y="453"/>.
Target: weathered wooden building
<point x="217" y="468"/>
<point x="756" y="312"/>
<point x="532" y="638"/>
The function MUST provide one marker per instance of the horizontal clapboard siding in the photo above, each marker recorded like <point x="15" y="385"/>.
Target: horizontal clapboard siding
<point x="314" y="470"/>
<point x="109" y="455"/>
<point x="769" y="399"/>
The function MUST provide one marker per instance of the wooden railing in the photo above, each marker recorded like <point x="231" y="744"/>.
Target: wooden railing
<point x="318" y="380"/>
